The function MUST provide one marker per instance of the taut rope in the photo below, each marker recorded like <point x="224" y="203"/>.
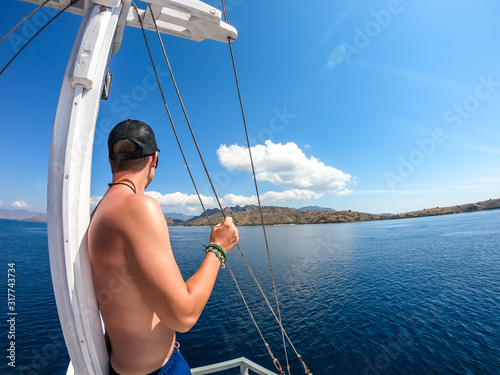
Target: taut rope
<point x="169" y="115"/>
<point x="256" y="189"/>
<point x="38" y="32"/>
<point x="24" y="19"/>
<point x="284" y="334"/>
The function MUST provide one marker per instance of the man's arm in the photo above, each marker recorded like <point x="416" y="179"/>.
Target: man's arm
<point x="177" y="303"/>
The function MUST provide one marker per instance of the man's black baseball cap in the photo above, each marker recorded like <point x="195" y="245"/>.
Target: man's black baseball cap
<point x="138" y="132"/>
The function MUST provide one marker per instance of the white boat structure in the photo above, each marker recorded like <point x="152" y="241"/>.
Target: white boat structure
<point x="85" y="81"/>
<point x="244" y="365"/>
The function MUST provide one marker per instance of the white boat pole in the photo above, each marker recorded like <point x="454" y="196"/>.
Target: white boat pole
<point x="69" y="187"/>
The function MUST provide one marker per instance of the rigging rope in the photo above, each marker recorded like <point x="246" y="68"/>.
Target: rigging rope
<point x="38" y="32"/>
<point x="24" y="19"/>
<point x="184" y="111"/>
<point x="256" y="188"/>
<point x="275" y="361"/>
<point x="307" y="371"/>
<point x="170" y="116"/>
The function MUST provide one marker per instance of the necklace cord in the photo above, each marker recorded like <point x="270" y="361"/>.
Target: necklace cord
<point x="123" y="183"/>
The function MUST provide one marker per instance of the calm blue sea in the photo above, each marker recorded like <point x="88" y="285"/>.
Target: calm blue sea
<point x="412" y="296"/>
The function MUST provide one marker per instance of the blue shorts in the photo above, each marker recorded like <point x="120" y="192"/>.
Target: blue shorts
<point x="176" y="365"/>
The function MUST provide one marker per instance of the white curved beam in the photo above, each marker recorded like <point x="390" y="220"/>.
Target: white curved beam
<point x="69" y="190"/>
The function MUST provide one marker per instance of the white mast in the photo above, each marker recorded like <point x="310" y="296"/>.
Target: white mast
<point x="70" y="162"/>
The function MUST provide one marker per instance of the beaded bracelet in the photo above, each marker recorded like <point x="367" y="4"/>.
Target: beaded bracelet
<point x="220" y="249"/>
<point x="219" y="253"/>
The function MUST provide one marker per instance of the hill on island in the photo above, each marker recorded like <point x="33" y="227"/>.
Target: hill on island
<point x="22" y="215"/>
<point x="490" y="204"/>
<point x="310" y="208"/>
<point x="250" y="214"/>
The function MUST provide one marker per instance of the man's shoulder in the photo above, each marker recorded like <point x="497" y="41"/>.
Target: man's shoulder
<point x="142" y="205"/>
<point x="140" y="217"/>
<point x="129" y="210"/>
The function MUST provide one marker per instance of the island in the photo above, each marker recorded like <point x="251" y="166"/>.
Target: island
<point x="275" y="215"/>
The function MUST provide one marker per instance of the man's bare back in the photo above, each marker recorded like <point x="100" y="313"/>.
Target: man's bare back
<point x="140" y="291"/>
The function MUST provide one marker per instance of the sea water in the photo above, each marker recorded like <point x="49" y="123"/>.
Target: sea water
<point x="409" y="296"/>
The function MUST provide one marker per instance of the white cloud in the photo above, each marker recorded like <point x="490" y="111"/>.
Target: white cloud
<point x="410" y="75"/>
<point x="289" y="195"/>
<point x="432" y="190"/>
<point x="180" y="202"/>
<point x="285" y="165"/>
<point x="174" y="202"/>
<point x="1" y="203"/>
<point x="270" y="197"/>
<point x="189" y="204"/>
<point x="336" y="56"/>
<point x="483" y="149"/>
<point x="20" y="204"/>
<point x="488" y="179"/>
<point x="344" y="192"/>
<point x="94" y="201"/>
<point x="239" y="200"/>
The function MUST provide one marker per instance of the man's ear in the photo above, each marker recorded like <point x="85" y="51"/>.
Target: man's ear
<point x="154" y="160"/>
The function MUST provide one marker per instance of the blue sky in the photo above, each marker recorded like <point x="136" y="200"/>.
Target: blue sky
<point x="380" y="106"/>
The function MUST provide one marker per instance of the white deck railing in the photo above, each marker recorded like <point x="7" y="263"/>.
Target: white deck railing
<point x="244" y="364"/>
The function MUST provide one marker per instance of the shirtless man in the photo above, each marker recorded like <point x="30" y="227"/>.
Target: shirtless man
<point x="141" y="294"/>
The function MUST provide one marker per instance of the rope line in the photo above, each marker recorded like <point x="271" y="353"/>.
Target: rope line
<point x="38" y="32"/>
<point x="185" y="113"/>
<point x="275" y="361"/>
<point x="24" y="19"/>
<point x="307" y="371"/>
<point x="256" y="189"/>
<point x="169" y="114"/>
